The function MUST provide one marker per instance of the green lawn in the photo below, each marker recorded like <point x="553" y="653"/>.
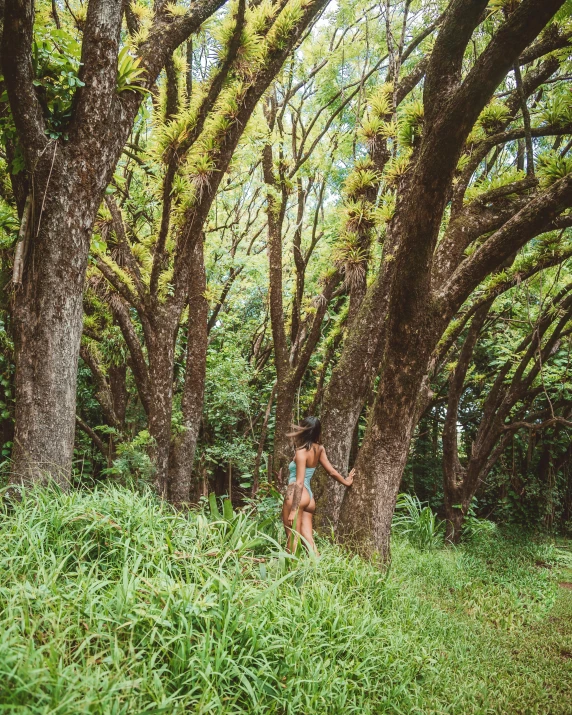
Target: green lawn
<point x="110" y="603"/>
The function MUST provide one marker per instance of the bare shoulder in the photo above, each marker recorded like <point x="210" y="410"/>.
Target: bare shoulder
<point x="300" y="456"/>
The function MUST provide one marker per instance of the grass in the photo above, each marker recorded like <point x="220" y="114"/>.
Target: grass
<point x="112" y="603"/>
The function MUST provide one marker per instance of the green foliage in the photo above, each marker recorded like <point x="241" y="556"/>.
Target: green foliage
<point x="380" y="100"/>
<point x="493" y="181"/>
<point x="396" y="168"/>
<point x="132" y="465"/>
<point x="215" y="513"/>
<point x="285" y="23"/>
<point x="113" y="602"/>
<point x="411" y="123"/>
<point x="493" y="116"/>
<point x="417" y="523"/>
<point x="227" y="406"/>
<point x="55" y="63"/>
<point x="558" y="109"/>
<point x="129" y="73"/>
<point x="475" y="529"/>
<point x="361" y="179"/>
<point x="552" y="167"/>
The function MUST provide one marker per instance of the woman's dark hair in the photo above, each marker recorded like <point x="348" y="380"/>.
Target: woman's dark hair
<point x="306" y="433"/>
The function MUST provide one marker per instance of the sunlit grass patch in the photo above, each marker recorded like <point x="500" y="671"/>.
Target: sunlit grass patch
<point x="111" y="602"/>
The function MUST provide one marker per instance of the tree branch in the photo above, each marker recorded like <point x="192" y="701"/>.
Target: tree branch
<point x="530" y="221"/>
<point x="94" y="437"/>
<point x="19" y="78"/>
<point x="93" y="103"/>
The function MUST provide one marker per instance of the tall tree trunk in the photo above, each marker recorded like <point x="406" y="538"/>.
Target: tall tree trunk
<point x="367" y="508"/>
<point x="412" y="321"/>
<point x="185" y="444"/>
<point x="282" y="453"/>
<point x="48" y="321"/>
<point x="68" y="180"/>
<point x="345" y="397"/>
<point x="161" y="350"/>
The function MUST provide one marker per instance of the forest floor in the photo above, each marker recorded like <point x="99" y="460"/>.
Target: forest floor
<point x="110" y="603"/>
<point x="540" y="663"/>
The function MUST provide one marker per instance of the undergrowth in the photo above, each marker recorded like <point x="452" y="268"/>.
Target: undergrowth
<point x="110" y="602"/>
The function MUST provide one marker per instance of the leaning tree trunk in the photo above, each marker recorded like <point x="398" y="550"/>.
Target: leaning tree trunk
<point x="367" y="508"/>
<point x="185" y="444"/>
<point x="48" y="319"/>
<point x="413" y="320"/>
<point x="338" y="427"/>
<point x="345" y="397"/>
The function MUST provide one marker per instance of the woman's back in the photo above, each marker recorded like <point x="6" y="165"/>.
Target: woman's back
<point x="311" y="459"/>
<point x="299" y="501"/>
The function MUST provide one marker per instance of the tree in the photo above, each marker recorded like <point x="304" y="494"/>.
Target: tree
<point x="420" y="285"/>
<point x="197" y="147"/>
<point x="67" y="169"/>
<point x="527" y="390"/>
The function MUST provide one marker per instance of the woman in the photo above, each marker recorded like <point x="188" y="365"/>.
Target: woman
<point x="299" y="505"/>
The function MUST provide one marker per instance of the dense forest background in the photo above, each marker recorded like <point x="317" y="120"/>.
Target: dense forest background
<point x="217" y="218"/>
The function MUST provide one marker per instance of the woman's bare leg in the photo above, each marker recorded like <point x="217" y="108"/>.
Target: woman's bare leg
<point x="306" y="529"/>
<point x="292" y="533"/>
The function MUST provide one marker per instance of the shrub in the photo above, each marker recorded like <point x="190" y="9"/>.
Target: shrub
<point x="417" y="523"/>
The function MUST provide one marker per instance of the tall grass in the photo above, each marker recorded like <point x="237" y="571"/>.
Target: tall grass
<point x="110" y="602"/>
<point x="417" y="523"/>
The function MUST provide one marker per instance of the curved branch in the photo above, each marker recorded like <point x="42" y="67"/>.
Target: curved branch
<point x="536" y="426"/>
<point x="138" y="364"/>
<point x="94" y="437"/>
<point x="124" y="291"/>
<point x="19" y="78"/>
<point x="530" y="221"/>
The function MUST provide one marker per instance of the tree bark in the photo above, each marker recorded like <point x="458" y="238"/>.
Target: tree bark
<point x="283" y="450"/>
<point x="68" y="179"/>
<point x="48" y="315"/>
<point x="184" y="445"/>
<point x="367" y="508"/>
<point x="119" y="392"/>
<point x="345" y="397"/>
<point x="457" y="501"/>
<point x="161" y="350"/>
<point x="412" y="317"/>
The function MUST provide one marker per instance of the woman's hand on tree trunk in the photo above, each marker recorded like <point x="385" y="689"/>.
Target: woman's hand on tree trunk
<point x="350" y="478"/>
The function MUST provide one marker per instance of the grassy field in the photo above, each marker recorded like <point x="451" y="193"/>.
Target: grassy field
<point x="111" y="603"/>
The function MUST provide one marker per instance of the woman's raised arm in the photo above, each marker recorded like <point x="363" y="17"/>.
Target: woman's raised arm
<point x="333" y="472"/>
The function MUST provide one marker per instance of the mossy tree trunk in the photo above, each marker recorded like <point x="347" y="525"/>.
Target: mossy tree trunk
<point x="418" y="307"/>
<point x="67" y="180"/>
